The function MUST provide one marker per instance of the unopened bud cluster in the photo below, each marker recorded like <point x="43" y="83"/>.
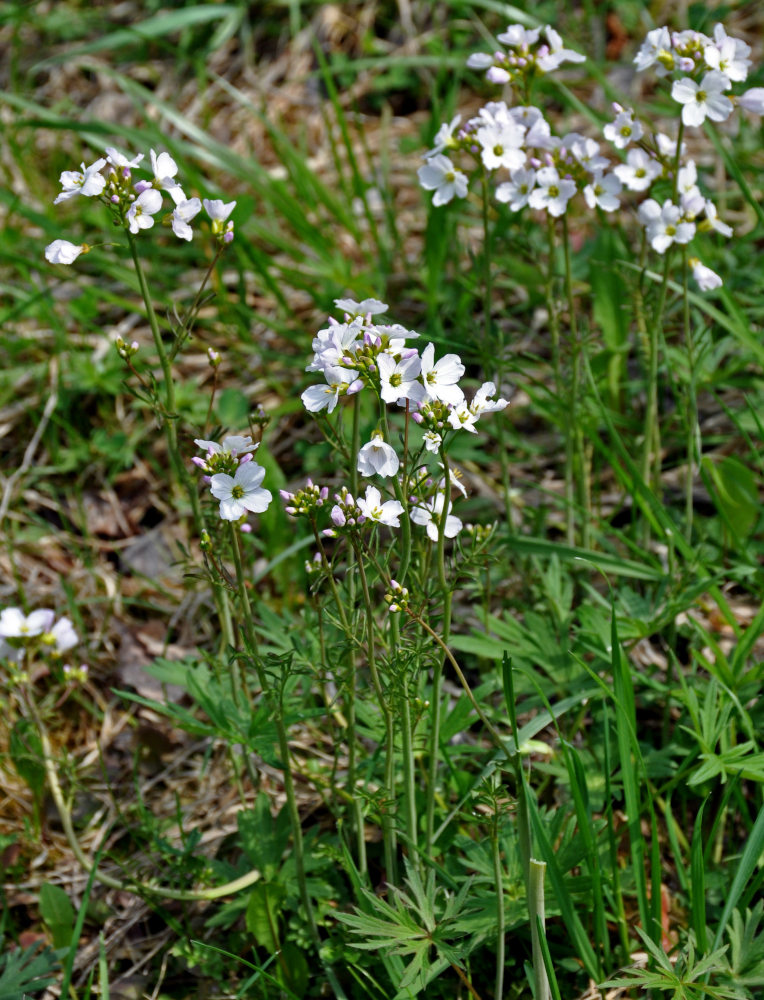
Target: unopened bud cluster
<point x="124" y="350"/>
<point x="397" y="598"/>
<point x="305" y="502"/>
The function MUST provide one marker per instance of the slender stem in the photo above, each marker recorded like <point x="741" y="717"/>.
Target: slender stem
<point x="169" y="418"/>
<point x="277" y="713"/>
<point x="559" y="388"/>
<point x="500" y="914"/>
<point x="691" y="404"/>
<point x="580" y="471"/>
<point x="388" y="824"/>
<point x="404" y="548"/>
<point x="651" y="456"/>
<point x="446" y="596"/>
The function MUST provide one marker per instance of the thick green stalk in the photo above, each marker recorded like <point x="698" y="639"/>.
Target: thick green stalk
<point x="691" y="402"/>
<point x="536" y="910"/>
<point x="651" y="456"/>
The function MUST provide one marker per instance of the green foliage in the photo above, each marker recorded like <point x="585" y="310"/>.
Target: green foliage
<point x="26" y="971"/>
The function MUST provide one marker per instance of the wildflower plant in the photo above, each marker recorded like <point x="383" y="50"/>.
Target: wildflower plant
<point x="448" y="791"/>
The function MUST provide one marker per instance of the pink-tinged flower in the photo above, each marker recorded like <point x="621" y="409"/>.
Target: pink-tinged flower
<point x="440" y="379"/>
<point x="373" y="509"/>
<point x="752" y="100"/>
<point x="378" y="458"/>
<point x="88" y="182"/>
<point x="182" y="215"/>
<point x="480" y="60"/>
<point x="639" y="171"/>
<point x="398" y="379"/>
<point x="551" y="192"/>
<point x="117" y="159"/>
<point x="240" y="493"/>
<point x="141" y="211"/>
<point x="430" y="514"/>
<point x="706" y="278"/>
<point x="603" y="192"/>
<point x="233" y="444"/>
<point x="218" y="212"/>
<point x="14" y="624"/>
<point x="728" y="55"/>
<point x="441" y="176"/>
<point x="556" y="54"/>
<point x="64" y="252"/>
<point x="703" y="100"/>
<point x="366" y="307"/>
<point x="517" y="189"/>
<point x="518" y="37"/>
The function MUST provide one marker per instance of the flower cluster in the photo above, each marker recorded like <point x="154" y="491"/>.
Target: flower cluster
<point x="362" y="353"/>
<point x="233" y="477"/>
<point x="703" y="70"/>
<point x="39" y="633"/>
<point x="134" y="201"/>
<point x="545" y="171"/>
<point x="527" y="52"/>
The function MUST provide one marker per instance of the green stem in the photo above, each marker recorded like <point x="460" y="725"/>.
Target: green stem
<point x="446" y="596"/>
<point x="500" y="914"/>
<point x="580" y="471"/>
<point x="169" y="418"/>
<point x="651" y="456"/>
<point x="559" y="387"/>
<point x="691" y="405"/>
<point x="277" y="713"/>
<point x="536" y="910"/>
<point x="388" y="824"/>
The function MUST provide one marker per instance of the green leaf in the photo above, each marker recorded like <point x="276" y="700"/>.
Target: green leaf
<point x="58" y="913"/>
<point x="26" y="970"/>
<point x="262" y="916"/>
<point x="27" y="755"/>
<point x="736" y="495"/>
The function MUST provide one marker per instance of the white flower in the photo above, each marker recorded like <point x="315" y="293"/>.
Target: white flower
<point x="377" y="458"/>
<point x="337" y="341"/>
<point x="657" y="45"/>
<point x="444" y="137"/>
<point x="752" y="100"/>
<point x="64" y="252"/>
<point x="706" y="278"/>
<point x="441" y="176"/>
<point x="233" y="444"/>
<point x="366" y="307"/>
<point x="440" y="380"/>
<point x="712" y="220"/>
<point x="14" y="624"/>
<point x="624" y="130"/>
<point x="183" y="213"/>
<point x="728" y="55"/>
<point x="462" y="418"/>
<point x="501" y="145"/>
<point x="603" y="191"/>
<point x="703" y="100"/>
<point x="556" y="54"/>
<point x="664" y="225"/>
<point x="429" y="515"/>
<point x="639" y="171"/>
<point x="62" y="635"/>
<point x="87" y="181"/>
<point x="432" y="441"/>
<point x="164" y="169"/>
<point x="482" y="402"/>
<point x="551" y="192"/>
<point x="517" y="189"/>
<point x="398" y="380"/>
<point x="240" y="493"/>
<point x="372" y="509"/>
<point x="586" y="151"/>
<point x="218" y="212"/>
<point x="339" y="381"/>
<point x="667" y="146"/>
<point x="117" y="159"/>
<point x="479" y="60"/>
<point x="146" y="205"/>
<point x="518" y="37"/>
